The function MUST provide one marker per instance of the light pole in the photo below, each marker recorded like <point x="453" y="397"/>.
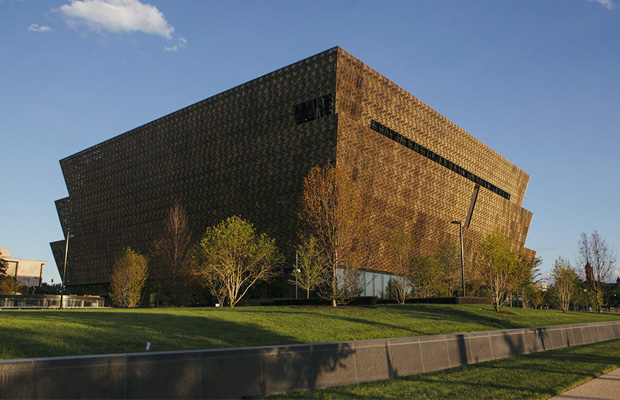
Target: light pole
<point x="462" y="257"/>
<point x="296" y="272"/>
<point x="64" y="269"/>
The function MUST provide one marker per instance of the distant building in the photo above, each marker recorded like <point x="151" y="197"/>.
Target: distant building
<point x="541" y="286"/>
<point x="589" y="273"/>
<point x="27" y="272"/>
<point x="247" y="150"/>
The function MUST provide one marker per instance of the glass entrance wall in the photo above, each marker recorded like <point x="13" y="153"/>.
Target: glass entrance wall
<point x="375" y="284"/>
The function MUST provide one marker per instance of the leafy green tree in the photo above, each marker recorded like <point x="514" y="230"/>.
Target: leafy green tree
<point x="425" y="276"/>
<point x="3" y="265"/>
<point x="613" y="294"/>
<point x="565" y="282"/>
<point x="527" y="274"/>
<point x="496" y="266"/>
<point x="311" y="269"/>
<point x="128" y="278"/>
<point x="46" y="288"/>
<point x="581" y="298"/>
<point x="534" y="294"/>
<point x="232" y="258"/>
<point x="332" y="210"/>
<point x="8" y="284"/>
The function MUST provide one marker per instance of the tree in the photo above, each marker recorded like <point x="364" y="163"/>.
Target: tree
<point x="172" y="258"/>
<point x="232" y="258"/>
<point x="128" y="278"/>
<point x="3" y="265"/>
<point x="527" y="271"/>
<point x="534" y="294"/>
<point x="8" y="284"/>
<point x="46" y="288"/>
<point x="425" y="276"/>
<point x="597" y="254"/>
<point x="309" y="273"/>
<point x="531" y="288"/>
<point x="565" y="282"/>
<point x="332" y="212"/>
<point x="400" y="255"/>
<point x="496" y="266"/>
<point x="448" y="260"/>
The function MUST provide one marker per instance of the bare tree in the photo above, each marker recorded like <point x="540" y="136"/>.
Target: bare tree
<point x="596" y="253"/>
<point x="310" y="271"/>
<point x="565" y="281"/>
<point x="234" y="258"/>
<point x="128" y="278"/>
<point x="401" y="254"/>
<point x="332" y="212"/>
<point x="172" y="258"/>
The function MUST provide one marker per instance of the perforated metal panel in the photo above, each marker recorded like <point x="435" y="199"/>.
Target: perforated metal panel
<point x="246" y="151"/>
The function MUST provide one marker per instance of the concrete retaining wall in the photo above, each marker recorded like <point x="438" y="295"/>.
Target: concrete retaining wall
<point x="258" y="371"/>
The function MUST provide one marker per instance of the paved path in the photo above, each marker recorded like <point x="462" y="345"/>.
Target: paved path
<point x="605" y="387"/>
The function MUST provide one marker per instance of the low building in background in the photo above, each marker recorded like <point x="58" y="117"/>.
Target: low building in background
<point x="27" y="272"/>
<point x="247" y="150"/>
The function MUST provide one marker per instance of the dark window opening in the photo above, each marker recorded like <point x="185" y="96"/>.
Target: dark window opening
<point x="314" y="109"/>
<point x="397" y="137"/>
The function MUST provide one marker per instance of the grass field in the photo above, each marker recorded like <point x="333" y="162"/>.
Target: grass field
<point x="45" y="333"/>
<point x="535" y="376"/>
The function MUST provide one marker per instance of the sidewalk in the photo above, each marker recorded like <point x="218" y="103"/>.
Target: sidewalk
<point x="605" y="387"/>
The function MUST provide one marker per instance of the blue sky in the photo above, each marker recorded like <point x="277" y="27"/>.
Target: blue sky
<point x="537" y="81"/>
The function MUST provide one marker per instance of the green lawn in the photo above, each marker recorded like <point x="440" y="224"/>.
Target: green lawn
<point x="44" y="333"/>
<point x="535" y="376"/>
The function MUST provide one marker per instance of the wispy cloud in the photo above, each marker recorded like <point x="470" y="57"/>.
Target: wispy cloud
<point x="181" y="44"/>
<point x="39" y="28"/>
<point x="120" y="16"/>
<point x="609" y="4"/>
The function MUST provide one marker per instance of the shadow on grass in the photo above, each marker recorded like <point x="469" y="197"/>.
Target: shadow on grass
<point x="80" y="333"/>
<point x="538" y="375"/>
<point x="424" y="313"/>
<point x="215" y="374"/>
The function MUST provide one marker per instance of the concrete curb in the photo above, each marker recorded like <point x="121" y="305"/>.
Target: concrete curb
<point x="260" y="371"/>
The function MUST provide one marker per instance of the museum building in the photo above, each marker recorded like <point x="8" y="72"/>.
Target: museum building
<point x="247" y="150"/>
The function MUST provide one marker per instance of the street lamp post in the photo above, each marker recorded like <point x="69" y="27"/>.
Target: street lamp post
<point x="296" y="272"/>
<point x="64" y="269"/>
<point x="462" y="257"/>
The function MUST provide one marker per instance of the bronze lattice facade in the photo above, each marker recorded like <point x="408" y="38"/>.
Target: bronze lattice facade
<point x="246" y="151"/>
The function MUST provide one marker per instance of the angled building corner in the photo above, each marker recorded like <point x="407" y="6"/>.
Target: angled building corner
<point x="247" y="150"/>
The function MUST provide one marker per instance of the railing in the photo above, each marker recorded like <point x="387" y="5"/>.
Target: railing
<point x="50" y="301"/>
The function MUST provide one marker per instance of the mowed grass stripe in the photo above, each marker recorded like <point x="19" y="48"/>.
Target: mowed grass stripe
<point x="46" y="333"/>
